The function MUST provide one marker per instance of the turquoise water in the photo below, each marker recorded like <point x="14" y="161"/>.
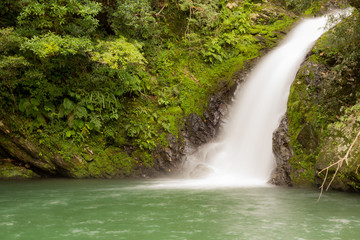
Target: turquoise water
<point x="157" y="209"/>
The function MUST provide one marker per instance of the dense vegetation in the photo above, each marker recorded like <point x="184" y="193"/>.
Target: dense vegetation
<point x="98" y="86"/>
<point x="323" y="110"/>
<point x="108" y="81"/>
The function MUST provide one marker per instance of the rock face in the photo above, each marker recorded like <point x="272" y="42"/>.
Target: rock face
<point x="323" y="110"/>
<point x="166" y="159"/>
<point x="24" y="157"/>
<point x="197" y="130"/>
<point x="283" y="152"/>
<point x="23" y="153"/>
<point x="201" y="130"/>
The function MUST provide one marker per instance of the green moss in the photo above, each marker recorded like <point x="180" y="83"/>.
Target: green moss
<point x="171" y="119"/>
<point x="306" y="123"/>
<point x="323" y="116"/>
<point x="112" y="162"/>
<point x="143" y="158"/>
<point x="9" y="171"/>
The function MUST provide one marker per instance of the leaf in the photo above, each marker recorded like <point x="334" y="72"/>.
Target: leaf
<point x="50" y="44"/>
<point x="81" y="112"/>
<point x="70" y="133"/>
<point x="35" y="102"/>
<point x="90" y="107"/>
<point x="118" y="53"/>
<point x="24" y="104"/>
<point x="78" y="124"/>
<point x="68" y="106"/>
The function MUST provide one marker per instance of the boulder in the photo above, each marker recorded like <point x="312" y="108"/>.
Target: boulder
<point x="283" y="152"/>
<point x="201" y="171"/>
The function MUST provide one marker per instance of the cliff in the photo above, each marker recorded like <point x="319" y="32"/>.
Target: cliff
<point x="323" y="114"/>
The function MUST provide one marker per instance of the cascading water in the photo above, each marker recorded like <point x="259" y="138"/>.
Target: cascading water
<point x="242" y="153"/>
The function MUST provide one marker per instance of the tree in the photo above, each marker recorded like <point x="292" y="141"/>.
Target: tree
<point x="65" y="17"/>
<point x="9" y="10"/>
<point x="134" y="18"/>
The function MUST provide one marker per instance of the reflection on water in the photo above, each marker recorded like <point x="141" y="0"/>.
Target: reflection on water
<point x="161" y="209"/>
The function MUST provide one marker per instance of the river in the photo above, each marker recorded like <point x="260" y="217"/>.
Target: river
<point x="171" y="209"/>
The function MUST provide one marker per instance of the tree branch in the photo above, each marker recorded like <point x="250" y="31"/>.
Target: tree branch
<point x="157" y="14"/>
<point x="338" y="165"/>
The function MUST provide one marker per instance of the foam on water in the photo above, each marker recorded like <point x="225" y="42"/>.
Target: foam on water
<point x="205" y="183"/>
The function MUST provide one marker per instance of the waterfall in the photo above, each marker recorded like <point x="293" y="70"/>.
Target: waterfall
<point x="242" y="153"/>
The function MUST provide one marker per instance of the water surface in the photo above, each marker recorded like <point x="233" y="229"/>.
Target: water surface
<point x="162" y="209"/>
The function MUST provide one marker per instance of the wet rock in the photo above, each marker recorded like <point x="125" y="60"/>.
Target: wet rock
<point x="167" y="159"/>
<point x="198" y="132"/>
<point x="11" y="169"/>
<point x="24" y="151"/>
<point x="283" y="152"/>
<point x="40" y="160"/>
<point x="201" y="171"/>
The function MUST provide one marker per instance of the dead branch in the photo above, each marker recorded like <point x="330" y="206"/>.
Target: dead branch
<point x="338" y="165"/>
<point x="157" y="14"/>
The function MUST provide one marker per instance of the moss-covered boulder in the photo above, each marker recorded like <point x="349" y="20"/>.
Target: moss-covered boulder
<point x="11" y="171"/>
<point x="341" y="147"/>
<point x="323" y="112"/>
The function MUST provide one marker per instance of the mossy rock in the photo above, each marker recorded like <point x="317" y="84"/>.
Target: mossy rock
<point x="321" y="128"/>
<point x="10" y="171"/>
<point x="340" y="142"/>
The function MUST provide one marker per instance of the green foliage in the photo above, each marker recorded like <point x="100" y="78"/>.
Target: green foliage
<point x="324" y="98"/>
<point x="134" y="18"/>
<point x="118" y="53"/>
<point x="202" y="14"/>
<point x="142" y="158"/>
<point x="72" y="17"/>
<point x="300" y="5"/>
<point x="9" y="10"/>
<point x="313" y="7"/>
<point x="141" y="127"/>
<point x="345" y="47"/>
<point x="9" y="41"/>
<point x="11" y="67"/>
<point x="50" y="44"/>
<point x="121" y="74"/>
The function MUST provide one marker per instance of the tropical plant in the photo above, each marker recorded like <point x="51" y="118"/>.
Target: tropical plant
<point x="73" y="17"/>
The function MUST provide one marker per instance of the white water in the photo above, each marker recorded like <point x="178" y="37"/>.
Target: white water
<point x="242" y="155"/>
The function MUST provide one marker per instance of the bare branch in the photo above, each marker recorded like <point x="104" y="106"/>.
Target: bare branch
<point x="338" y="165"/>
<point x="157" y="14"/>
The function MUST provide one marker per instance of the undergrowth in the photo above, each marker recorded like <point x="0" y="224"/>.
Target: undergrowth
<point x="123" y="74"/>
